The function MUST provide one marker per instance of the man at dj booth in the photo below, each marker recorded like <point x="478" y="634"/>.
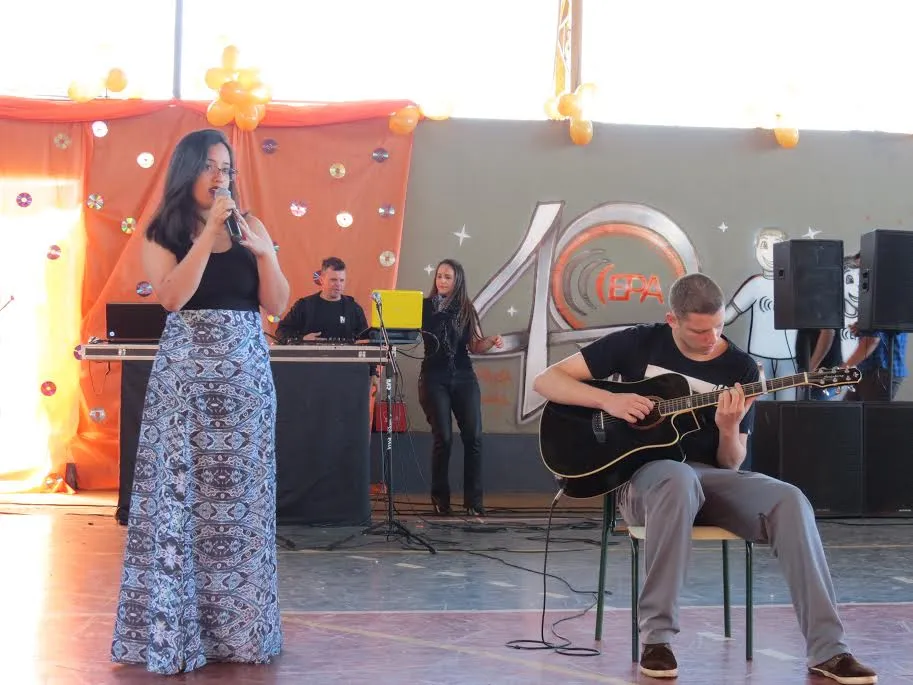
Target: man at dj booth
<point x="328" y="315"/>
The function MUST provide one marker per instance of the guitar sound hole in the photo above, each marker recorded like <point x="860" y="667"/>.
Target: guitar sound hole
<point x="651" y="419"/>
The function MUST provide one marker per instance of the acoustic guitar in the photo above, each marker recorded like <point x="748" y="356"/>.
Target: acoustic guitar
<point x="593" y="453"/>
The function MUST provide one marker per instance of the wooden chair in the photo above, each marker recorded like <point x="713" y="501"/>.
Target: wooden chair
<point x="638" y="533"/>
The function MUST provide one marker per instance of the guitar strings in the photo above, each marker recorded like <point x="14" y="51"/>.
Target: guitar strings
<point x="676" y="405"/>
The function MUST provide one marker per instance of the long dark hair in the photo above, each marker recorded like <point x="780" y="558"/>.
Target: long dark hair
<point x="458" y="298"/>
<point x="176" y="218"/>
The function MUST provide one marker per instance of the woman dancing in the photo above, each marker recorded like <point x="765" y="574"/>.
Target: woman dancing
<point x="447" y="383"/>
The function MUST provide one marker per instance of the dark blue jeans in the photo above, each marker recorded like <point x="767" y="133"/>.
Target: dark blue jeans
<point x="459" y="393"/>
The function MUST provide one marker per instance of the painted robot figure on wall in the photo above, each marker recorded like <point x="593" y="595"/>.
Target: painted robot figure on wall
<point x="774" y="349"/>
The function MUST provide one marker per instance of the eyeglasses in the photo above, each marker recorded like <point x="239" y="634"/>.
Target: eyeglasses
<point x="225" y="171"/>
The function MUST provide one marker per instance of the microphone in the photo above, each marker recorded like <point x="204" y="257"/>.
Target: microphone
<point x="376" y="297"/>
<point x="231" y="223"/>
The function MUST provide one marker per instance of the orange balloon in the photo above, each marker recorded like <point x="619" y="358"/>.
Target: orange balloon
<point x="116" y="81"/>
<point x="230" y="56"/>
<point x="248" y="78"/>
<point x="216" y="76"/>
<point x="405" y="120"/>
<point x="569" y="105"/>
<point x="248" y="117"/>
<point x="438" y="110"/>
<point x="585" y="95"/>
<point x="581" y="131"/>
<point x="787" y="137"/>
<point x="233" y="93"/>
<point x="260" y="93"/>
<point x="551" y="109"/>
<point x="78" y="92"/>
<point x="585" y="90"/>
<point x="220" y="113"/>
<point x="83" y="91"/>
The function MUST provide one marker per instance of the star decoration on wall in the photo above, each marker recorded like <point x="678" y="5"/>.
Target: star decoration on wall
<point x="511" y="311"/>
<point x="811" y="233"/>
<point x="462" y="234"/>
<point x="428" y="269"/>
<point x="723" y="227"/>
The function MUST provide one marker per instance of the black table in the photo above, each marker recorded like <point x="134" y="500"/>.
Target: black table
<point x="322" y="439"/>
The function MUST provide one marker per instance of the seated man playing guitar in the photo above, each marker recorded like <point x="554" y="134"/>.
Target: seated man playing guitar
<point x="698" y="476"/>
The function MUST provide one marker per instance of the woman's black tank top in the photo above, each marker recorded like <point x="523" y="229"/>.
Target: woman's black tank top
<point x="230" y="281"/>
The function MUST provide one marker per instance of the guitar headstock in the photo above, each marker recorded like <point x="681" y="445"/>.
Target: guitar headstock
<point x="828" y="378"/>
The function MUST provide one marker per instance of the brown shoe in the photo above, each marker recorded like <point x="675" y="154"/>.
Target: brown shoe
<point x="845" y="670"/>
<point x="658" y="661"/>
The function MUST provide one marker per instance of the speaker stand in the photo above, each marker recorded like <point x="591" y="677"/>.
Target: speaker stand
<point x="891" y="367"/>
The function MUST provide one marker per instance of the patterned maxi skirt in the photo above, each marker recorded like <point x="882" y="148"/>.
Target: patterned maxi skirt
<point x="199" y="581"/>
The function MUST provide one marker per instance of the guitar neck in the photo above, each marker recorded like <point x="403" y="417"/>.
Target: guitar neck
<point x="708" y="399"/>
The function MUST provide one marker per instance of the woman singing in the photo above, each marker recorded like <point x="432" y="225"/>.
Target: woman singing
<point x="447" y="383"/>
<point x="199" y="581"/>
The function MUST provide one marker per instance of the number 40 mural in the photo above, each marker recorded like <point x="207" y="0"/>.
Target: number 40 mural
<point x="580" y="291"/>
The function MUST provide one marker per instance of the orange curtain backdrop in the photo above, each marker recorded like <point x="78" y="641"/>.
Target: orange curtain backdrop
<point x="41" y="267"/>
<point x="302" y="144"/>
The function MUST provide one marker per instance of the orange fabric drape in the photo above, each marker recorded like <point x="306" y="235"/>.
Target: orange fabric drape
<point x="41" y="197"/>
<point x="307" y="141"/>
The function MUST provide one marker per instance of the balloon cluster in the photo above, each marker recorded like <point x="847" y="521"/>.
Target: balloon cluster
<point x="574" y="106"/>
<point x="242" y="96"/>
<point x="83" y="91"/>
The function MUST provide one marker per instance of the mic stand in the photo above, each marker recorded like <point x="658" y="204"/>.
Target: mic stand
<point x="389" y="527"/>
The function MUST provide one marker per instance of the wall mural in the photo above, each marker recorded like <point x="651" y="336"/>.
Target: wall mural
<point x="609" y="268"/>
<point x="774" y="349"/>
<point x="848" y="341"/>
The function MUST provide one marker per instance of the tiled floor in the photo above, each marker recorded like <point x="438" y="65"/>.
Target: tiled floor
<point x="373" y="612"/>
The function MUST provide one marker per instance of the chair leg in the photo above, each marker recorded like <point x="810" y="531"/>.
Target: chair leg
<point x="727" y="621"/>
<point x="635" y="595"/>
<point x="614" y="515"/>
<point x="608" y="524"/>
<point x="749" y="601"/>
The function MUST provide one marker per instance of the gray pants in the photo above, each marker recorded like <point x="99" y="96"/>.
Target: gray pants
<point x="668" y="497"/>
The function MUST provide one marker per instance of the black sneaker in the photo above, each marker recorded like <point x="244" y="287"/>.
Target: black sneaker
<point x="477" y="510"/>
<point x="658" y="661"/>
<point x="845" y="670"/>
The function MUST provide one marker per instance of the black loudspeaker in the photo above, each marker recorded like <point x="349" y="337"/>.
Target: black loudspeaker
<point x="808" y="284"/>
<point x="821" y="453"/>
<point x="886" y="281"/>
<point x="764" y="442"/>
<point x="888" y="434"/>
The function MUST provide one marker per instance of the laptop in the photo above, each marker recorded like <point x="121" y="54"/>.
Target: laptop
<point x="402" y="315"/>
<point x="134" y="323"/>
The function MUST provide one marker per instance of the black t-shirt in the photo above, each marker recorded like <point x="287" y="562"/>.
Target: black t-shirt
<point x="343" y="319"/>
<point x="806" y="339"/>
<point x="647" y="350"/>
